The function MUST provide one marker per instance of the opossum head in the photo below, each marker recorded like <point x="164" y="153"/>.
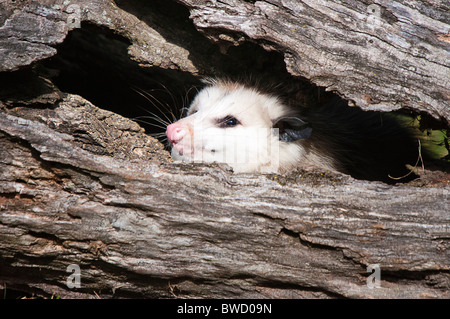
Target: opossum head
<point x="230" y="123"/>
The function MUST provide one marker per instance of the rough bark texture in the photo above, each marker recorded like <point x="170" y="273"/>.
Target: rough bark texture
<point x="83" y="185"/>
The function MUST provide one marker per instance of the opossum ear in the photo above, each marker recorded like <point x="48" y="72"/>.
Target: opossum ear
<point x="292" y="129"/>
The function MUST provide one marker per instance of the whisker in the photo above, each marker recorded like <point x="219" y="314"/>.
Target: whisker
<point x="161" y="139"/>
<point x="155" y="122"/>
<point x="165" y="105"/>
<point x="172" y="97"/>
<point x="157" y="135"/>
<point x="151" y="124"/>
<point x="152" y="100"/>
<point x="186" y="100"/>
<point x="155" y="118"/>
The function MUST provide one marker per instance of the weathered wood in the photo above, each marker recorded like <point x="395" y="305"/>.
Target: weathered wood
<point x="27" y="36"/>
<point x="141" y="228"/>
<point x="80" y="185"/>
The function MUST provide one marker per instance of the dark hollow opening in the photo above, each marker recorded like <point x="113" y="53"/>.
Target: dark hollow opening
<point x="94" y="62"/>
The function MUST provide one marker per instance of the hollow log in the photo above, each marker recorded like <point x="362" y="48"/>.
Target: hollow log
<point x="82" y="185"/>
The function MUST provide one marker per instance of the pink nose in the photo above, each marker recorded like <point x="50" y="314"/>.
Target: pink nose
<point x="175" y="132"/>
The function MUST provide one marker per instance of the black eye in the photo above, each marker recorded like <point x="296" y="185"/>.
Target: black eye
<point x="228" y="121"/>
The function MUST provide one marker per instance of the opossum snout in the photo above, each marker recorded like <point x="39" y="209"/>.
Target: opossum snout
<point x="175" y="132"/>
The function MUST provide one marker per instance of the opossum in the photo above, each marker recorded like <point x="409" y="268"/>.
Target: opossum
<point x="252" y="131"/>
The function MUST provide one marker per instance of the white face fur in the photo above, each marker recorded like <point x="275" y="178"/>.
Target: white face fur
<point x="230" y="123"/>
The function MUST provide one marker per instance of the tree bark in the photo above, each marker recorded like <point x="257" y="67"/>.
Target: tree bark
<point x="84" y="186"/>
